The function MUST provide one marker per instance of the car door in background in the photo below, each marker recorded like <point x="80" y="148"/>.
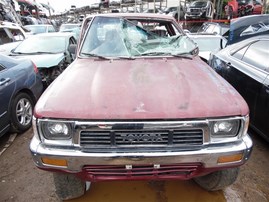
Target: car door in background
<point x="6" y="90"/>
<point x="248" y="72"/>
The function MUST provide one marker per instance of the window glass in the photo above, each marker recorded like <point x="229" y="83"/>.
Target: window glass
<point x="257" y="55"/>
<point x="114" y="37"/>
<point x="51" y="29"/>
<point x="4" y="38"/>
<point x="72" y="41"/>
<point x="17" y="34"/>
<point x="239" y="54"/>
<point x="1" y="68"/>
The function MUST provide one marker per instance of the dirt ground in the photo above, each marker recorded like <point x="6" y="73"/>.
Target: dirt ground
<point x="21" y="181"/>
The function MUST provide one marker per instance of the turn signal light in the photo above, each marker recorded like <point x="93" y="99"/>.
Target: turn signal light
<point x="54" y="162"/>
<point x="230" y="158"/>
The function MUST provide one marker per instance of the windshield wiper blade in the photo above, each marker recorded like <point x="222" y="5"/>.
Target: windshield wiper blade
<point x="95" y="55"/>
<point x="16" y="53"/>
<point x="33" y="53"/>
<point x="183" y="55"/>
<point x="125" y="57"/>
<point x="154" y="54"/>
<point x="42" y="52"/>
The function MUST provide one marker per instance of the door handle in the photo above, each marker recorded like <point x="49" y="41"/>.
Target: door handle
<point x="266" y="86"/>
<point x="228" y="65"/>
<point x="4" y="81"/>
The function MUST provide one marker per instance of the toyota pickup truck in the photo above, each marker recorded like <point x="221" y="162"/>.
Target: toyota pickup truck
<point x="138" y="103"/>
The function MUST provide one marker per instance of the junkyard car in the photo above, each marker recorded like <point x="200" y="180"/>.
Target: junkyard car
<point x="11" y="32"/>
<point x="73" y="28"/>
<point x="248" y="26"/>
<point x="20" y="87"/>
<point x="38" y="29"/>
<point x="246" y="66"/>
<point x="214" y="28"/>
<point x="138" y="106"/>
<point x="208" y="43"/>
<point x="68" y="26"/>
<point x="200" y="9"/>
<point x="239" y="8"/>
<point x="178" y="12"/>
<point x="50" y="52"/>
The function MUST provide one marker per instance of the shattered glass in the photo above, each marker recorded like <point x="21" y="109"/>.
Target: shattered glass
<point x="117" y="37"/>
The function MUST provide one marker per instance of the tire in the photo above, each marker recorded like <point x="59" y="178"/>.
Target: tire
<point x="21" y="113"/>
<point x="68" y="186"/>
<point x="218" y="180"/>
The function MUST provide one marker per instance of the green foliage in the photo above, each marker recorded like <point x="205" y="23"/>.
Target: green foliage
<point x="225" y="2"/>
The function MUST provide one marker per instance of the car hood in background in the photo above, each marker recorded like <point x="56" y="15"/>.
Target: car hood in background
<point x="6" y="49"/>
<point x="44" y="60"/>
<point x="205" y="54"/>
<point x="248" y="26"/>
<point x="157" y="88"/>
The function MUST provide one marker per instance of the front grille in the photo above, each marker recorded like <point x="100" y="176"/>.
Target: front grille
<point x="195" y="10"/>
<point x="106" y="172"/>
<point x="146" y="138"/>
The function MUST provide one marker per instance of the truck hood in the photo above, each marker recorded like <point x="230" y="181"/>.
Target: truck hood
<point x="159" y="88"/>
<point x="44" y="60"/>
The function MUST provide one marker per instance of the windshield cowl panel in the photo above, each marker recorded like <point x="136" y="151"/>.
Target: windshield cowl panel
<point x="119" y="38"/>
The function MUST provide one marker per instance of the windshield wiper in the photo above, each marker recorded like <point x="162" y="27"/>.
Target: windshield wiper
<point x="95" y="55"/>
<point x="33" y="53"/>
<point x="16" y="53"/>
<point x="183" y="55"/>
<point x="125" y="57"/>
<point x="154" y="54"/>
<point x="42" y="52"/>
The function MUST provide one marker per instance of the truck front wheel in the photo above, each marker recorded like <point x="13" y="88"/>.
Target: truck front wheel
<point x="218" y="180"/>
<point x="68" y="186"/>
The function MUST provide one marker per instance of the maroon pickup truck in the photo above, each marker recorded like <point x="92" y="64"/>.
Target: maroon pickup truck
<point x="139" y="104"/>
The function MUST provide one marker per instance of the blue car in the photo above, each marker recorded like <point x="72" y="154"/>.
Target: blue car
<point x="20" y="87"/>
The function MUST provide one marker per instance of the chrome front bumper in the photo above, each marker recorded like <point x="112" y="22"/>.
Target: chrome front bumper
<point x="76" y="159"/>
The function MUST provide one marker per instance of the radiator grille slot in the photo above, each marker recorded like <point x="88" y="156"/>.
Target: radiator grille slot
<point x="110" y="171"/>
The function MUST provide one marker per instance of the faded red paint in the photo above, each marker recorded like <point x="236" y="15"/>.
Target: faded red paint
<point x="184" y="171"/>
<point x="156" y="88"/>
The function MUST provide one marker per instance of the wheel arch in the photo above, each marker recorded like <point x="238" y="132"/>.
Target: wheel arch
<point x="28" y="92"/>
<point x="24" y="90"/>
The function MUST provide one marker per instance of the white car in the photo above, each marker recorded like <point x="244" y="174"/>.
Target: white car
<point x="208" y="44"/>
<point x="200" y="9"/>
<point x="11" y="32"/>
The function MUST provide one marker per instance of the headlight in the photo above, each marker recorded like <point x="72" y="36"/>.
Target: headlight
<point x="225" y="128"/>
<point x="54" y="130"/>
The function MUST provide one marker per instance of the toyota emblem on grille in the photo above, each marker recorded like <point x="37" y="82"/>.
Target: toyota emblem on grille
<point x="142" y="137"/>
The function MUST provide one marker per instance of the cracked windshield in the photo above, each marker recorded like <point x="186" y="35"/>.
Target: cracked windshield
<point x="118" y="37"/>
